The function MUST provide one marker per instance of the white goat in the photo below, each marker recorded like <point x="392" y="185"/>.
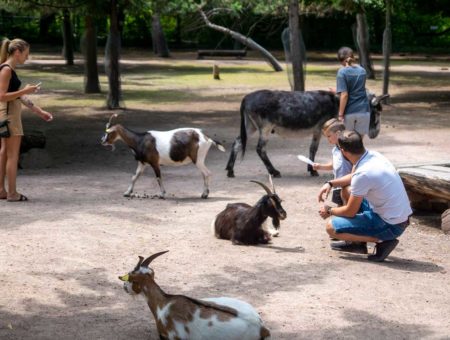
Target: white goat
<point x="182" y="317"/>
<point x="175" y="147"/>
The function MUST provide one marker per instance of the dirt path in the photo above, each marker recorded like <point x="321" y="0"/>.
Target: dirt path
<point x="61" y="252"/>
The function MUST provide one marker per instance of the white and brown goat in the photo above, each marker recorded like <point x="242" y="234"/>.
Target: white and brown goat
<point x="245" y="224"/>
<point x="182" y="317"/>
<point x="175" y="147"/>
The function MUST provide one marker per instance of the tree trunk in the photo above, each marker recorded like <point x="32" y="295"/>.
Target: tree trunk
<point x="296" y="55"/>
<point x="112" y="56"/>
<point x="244" y="40"/>
<point x="67" y="38"/>
<point x="44" y="24"/>
<point x="92" y="84"/>
<point x="159" y="40"/>
<point x="387" y="46"/>
<point x="363" y="44"/>
<point x="178" y="40"/>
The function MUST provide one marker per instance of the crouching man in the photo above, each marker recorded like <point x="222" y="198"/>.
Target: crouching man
<point x="377" y="209"/>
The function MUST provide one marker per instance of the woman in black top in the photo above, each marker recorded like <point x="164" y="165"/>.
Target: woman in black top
<point x="13" y="53"/>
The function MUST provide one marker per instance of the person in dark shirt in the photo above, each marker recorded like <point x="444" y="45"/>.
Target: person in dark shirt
<point x="12" y="53"/>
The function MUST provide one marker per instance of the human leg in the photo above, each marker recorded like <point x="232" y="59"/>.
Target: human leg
<point x="347" y="236"/>
<point x="366" y="226"/>
<point x="12" y="160"/>
<point x="3" y="192"/>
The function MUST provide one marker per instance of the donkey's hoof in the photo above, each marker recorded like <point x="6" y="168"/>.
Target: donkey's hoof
<point x="276" y="174"/>
<point x="314" y="173"/>
<point x="230" y="173"/>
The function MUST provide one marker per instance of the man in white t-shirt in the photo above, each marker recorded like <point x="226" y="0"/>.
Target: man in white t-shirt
<point x="378" y="208"/>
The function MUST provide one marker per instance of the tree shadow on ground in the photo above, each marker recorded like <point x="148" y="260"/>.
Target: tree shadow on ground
<point x="363" y="325"/>
<point x="253" y="284"/>
<point x="104" y="306"/>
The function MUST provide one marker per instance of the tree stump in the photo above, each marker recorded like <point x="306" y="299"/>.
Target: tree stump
<point x="216" y="72"/>
<point x="428" y="187"/>
<point x="32" y="140"/>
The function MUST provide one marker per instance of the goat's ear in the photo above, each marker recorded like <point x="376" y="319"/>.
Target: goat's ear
<point x="125" y="277"/>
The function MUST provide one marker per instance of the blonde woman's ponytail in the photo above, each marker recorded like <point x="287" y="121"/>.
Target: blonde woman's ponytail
<point x="4" y="50"/>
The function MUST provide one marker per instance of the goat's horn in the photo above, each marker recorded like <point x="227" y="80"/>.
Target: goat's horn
<point x="271" y="183"/>
<point x="151" y="258"/>
<point x="110" y="120"/>
<point x="264" y="187"/>
<point x="139" y="263"/>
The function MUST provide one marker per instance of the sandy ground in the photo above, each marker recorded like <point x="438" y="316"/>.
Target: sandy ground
<point x="61" y="252"/>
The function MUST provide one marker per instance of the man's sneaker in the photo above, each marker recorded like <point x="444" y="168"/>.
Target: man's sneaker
<point x="383" y="249"/>
<point x="351" y="247"/>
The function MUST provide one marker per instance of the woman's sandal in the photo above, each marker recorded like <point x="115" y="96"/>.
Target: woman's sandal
<point x="22" y="198"/>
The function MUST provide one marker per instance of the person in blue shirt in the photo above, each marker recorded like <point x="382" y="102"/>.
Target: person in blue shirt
<point x="354" y="107"/>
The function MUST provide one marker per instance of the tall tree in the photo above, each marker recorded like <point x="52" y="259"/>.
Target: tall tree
<point x="112" y="56"/>
<point x="387" y="44"/>
<point x="295" y="49"/>
<point x="362" y="35"/>
<point x="362" y="42"/>
<point x="89" y="47"/>
<point x="67" y="37"/>
<point x="158" y="38"/>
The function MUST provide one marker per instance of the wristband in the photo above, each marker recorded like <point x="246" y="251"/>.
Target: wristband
<point x="328" y="209"/>
<point x="331" y="184"/>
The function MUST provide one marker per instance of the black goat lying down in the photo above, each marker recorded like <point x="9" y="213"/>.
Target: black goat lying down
<point x="175" y="147"/>
<point x="243" y="224"/>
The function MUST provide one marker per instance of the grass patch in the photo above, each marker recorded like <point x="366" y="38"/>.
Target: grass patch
<point x="160" y="82"/>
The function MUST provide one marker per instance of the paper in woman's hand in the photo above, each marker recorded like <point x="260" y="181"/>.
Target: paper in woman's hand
<point x="305" y="159"/>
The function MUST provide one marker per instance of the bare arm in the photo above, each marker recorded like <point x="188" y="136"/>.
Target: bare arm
<point x="338" y="182"/>
<point x="47" y="116"/>
<point x="323" y="166"/>
<point x="342" y="104"/>
<point x="348" y="210"/>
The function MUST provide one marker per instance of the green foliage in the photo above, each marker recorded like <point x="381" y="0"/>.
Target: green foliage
<point x="325" y="23"/>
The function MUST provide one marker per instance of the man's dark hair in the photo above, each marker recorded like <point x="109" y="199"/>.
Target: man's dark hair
<point x="351" y="141"/>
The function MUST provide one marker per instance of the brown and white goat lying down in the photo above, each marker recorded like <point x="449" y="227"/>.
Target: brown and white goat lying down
<point x="245" y="224"/>
<point x="175" y="147"/>
<point x="182" y="317"/>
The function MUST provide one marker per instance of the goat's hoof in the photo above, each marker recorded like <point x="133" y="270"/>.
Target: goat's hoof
<point x="204" y="196"/>
<point x="230" y="174"/>
<point x="127" y="194"/>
